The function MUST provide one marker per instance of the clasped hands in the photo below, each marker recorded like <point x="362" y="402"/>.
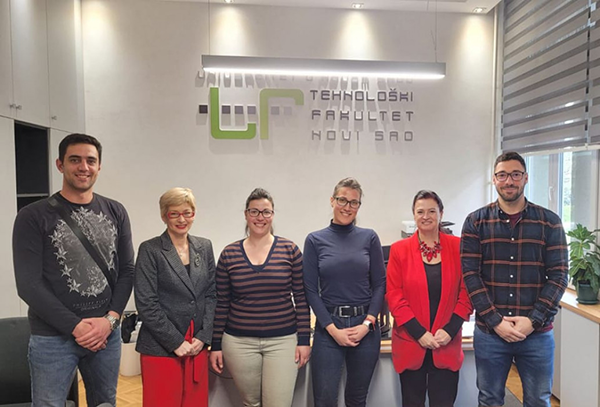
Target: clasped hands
<point x="431" y="341"/>
<point x="189" y="348"/>
<point x="514" y="329"/>
<point x="92" y="333"/>
<point x="348" y="336"/>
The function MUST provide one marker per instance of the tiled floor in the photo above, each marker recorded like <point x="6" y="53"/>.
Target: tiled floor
<point x="129" y="392"/>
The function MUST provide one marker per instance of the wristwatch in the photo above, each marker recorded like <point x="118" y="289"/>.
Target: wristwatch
<point x="114" y="322"/>
<point x="368" y="324"/>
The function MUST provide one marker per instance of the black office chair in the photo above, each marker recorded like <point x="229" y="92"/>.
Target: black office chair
<point x="15" y="382"/>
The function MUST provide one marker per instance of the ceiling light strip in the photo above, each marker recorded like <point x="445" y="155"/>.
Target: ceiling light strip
<point x="323" y="67"/>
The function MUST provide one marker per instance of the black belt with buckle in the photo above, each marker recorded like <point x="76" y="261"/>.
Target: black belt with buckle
<point x="347" y="311"/>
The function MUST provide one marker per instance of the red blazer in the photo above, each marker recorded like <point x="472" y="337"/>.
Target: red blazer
<point x="407" y="296"/>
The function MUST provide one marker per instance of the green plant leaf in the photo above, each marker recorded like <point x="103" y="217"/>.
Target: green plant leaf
<point x="584" y="256"/>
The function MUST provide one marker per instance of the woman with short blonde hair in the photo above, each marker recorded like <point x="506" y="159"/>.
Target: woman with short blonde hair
<point x="175" y="296"/>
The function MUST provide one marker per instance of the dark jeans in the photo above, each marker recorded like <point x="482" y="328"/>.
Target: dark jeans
<point x="440" y="384"/>
<point x="327" y="362"/>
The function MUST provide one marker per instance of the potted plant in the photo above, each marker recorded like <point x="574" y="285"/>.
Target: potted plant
<point x="584" y="265"/>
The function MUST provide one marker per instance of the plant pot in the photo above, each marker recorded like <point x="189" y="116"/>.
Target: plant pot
<point x="586" y="294"/>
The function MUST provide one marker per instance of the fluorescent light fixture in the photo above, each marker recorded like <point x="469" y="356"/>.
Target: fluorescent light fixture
<point x="358" y="5"/>
<point x="323" y="67"/>
<point x="228" y="1"/>
<point x="479" y="10"/>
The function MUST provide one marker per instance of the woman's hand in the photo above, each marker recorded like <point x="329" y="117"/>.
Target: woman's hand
<point x="197" y="346"/>
<point x="341" y="336"/>
<point x="185" y="349"/>
<point x="428" y="341"/>
<point x="302" y="355"/>
<point x="442" y="337"/>
<point x="216" y="360"/>
<point x="356" y="333"/>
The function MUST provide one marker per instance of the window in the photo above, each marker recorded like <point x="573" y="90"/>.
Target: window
<point x="566" y="183"/>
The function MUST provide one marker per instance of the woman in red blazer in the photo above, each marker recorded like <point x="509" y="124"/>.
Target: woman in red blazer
<point x="428" y="300"/>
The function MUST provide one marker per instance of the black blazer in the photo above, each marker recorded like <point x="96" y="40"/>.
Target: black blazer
<point x="167" y="298"/>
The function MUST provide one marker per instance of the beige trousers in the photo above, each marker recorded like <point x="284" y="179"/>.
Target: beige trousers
<point x="263" y="369"/>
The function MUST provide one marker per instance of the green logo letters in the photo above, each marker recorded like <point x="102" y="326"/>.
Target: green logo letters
<point x="215" y="122"/>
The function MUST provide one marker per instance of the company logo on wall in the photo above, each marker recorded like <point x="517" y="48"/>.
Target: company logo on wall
<point x="334" y="114"/>
<point x="250" y="132"/>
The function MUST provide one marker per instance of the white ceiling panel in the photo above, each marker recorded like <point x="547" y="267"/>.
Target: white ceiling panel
<point x="442" y="6"/>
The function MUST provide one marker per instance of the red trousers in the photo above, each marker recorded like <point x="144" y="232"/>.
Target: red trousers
<point x="175" y="382"/>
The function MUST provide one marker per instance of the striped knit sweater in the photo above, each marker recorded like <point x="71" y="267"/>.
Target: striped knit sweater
<point x="257" y="300"/>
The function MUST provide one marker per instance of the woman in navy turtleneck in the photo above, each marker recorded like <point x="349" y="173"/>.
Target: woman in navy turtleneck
<point x="344" y="278"/>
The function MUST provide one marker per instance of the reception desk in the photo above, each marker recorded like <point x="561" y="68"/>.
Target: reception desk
<point x="384" y="390"/>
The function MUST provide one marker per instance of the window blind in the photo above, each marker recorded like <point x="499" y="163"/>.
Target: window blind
<point x="551" y="75"/>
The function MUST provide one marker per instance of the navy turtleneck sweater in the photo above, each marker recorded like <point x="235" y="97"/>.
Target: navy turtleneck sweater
<point x="343" y="265"/>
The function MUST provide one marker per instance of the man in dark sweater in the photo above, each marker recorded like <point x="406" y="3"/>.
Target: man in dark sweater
<point x="74" y="306"/>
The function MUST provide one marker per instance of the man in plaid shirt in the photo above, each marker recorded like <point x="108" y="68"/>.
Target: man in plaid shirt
<point x="514" y="261"/>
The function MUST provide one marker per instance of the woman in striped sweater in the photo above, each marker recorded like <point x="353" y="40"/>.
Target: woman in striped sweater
<point x="260" y="333"/>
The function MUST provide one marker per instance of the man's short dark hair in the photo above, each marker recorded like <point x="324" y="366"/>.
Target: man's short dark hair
<point x="508" y="156"/>
<point x="78" y="138"/>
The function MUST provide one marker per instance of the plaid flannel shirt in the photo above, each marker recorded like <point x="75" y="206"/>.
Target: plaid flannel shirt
<point x="514" y="271"/>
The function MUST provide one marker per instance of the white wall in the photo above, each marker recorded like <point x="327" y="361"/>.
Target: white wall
<point x="141" y="60"/>
<point x="9" y="301"/>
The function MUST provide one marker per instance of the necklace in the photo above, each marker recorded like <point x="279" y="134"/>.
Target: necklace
<point x="183" y="252"/>
<point x="430" y="252"/>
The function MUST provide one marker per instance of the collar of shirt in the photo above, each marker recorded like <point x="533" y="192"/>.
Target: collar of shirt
<point x="500" y="214"/>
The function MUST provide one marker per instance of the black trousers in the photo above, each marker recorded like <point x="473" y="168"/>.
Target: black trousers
<point x="441" y="385"/>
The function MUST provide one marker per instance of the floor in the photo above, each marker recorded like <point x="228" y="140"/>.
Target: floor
<point x="514" y="385"/>
<point x="129" y="392"/>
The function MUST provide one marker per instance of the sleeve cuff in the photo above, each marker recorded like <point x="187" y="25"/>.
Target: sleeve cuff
<point x="493" y="320"/>
<point x="454" y="325"/>
<point x="303" y="340"/>
<point x="537" y="319"/>
<point x="415" y="329"/>
<point x="203" y="337"/>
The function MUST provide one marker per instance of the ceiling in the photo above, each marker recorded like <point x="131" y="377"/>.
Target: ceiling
<point x="452" y="6"/>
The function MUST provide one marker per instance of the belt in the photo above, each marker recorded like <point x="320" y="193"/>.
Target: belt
<point x="346" y="311"/>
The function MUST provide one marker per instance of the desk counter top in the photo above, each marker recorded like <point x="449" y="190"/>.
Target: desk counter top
<point x="569" y="301"/>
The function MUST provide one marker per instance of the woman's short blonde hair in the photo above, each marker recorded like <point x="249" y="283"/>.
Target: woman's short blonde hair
<point x="175" y="197"/>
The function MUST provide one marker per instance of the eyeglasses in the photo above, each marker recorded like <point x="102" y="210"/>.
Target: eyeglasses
<point x="176" y="215"/>
<point x="266" y="213"/>
<point x="515" y="175"/>
<point x="341" y="201"/>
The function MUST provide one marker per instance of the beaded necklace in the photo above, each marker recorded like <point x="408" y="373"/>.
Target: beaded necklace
<point x="430" y="252"/>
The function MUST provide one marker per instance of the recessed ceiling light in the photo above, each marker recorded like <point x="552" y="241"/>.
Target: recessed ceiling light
<point x="479" y="10"/>
<point x="228" y="1"/>
<point x="358" y="5"/>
